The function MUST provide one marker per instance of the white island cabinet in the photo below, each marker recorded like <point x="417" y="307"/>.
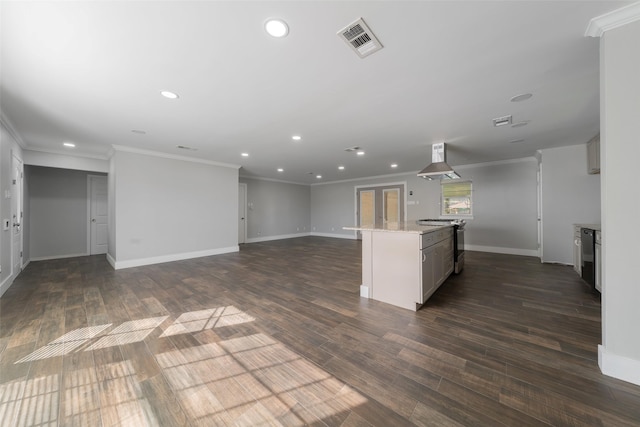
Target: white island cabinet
<point x="405" y="264"/>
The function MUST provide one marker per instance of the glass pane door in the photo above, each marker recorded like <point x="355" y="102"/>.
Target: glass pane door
<point x="391" y="207"/>
<point x="367" y="208"/>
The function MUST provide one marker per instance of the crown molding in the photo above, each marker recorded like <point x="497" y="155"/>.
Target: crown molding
<point x="614" y="19"/>
<point x="260" y="178"/>
<point x="67" y="153"/>
<point x="117" y="148"/>
<point x="12" y="130"/>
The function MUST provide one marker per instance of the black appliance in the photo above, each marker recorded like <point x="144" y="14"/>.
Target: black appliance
<point x="588" y="239"/>
<point x="458" y="239"/>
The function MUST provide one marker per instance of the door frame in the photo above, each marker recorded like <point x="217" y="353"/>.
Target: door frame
<point x="14" y="161"/>
<point x="246" y="211"/>
<point x="382" y="184"/>
<point x="89" y="178"/>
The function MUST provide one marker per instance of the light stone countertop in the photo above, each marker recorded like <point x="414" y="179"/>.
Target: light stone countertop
<point x="402" y="227"/>
<point x="596" y="227"/>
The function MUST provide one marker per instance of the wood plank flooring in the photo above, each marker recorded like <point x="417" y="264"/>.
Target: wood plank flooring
<point x="277" y="335"/>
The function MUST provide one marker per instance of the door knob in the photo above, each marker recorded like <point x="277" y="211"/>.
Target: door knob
<point x="93" y="220"/>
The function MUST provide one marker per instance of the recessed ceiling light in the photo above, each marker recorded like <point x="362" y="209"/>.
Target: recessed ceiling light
<point x="276" y="27"/>
<point x="522" y="97"/>
<point x="520" y="124"/>
<point x="394" y="165"/>
<point x="139" y="132"/>
<point x="280" y="170"/>
<point x="69" y="144"/>
<point x="169" y="94"/>
<point x="244" y="154"/>
<point x="341" y="168"/>
<point x="318" y="176"/>
<point x="360" y="153"/>
<point x="296" y="137"/>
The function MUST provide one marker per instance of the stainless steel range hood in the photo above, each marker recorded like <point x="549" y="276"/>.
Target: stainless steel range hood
<point x="438" y="169"/>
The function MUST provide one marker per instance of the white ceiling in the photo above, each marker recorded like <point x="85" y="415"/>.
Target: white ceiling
<point x="91" y="72"/>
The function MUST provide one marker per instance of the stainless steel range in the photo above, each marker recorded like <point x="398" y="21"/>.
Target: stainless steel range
<point x="458" y="239"/>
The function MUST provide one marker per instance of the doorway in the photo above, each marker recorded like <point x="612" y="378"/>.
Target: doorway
<point x="380" y="206"/>
<point x="17" y="172"/>
<point x="98" y="214"/>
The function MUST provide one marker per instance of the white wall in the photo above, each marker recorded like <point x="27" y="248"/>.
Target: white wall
<point x="569" y="195"/>
<point x="8" y="148"/>
<point x="620" y="151"/>
<point x="169" y="208"/>
<point x="276" y="209"/>
<point x="504" y="203"/>
<point x="57" y="212"/>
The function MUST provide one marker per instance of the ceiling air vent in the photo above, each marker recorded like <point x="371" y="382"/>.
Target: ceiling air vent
<point x="360" y="38"/>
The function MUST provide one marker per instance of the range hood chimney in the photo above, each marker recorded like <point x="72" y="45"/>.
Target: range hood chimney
<point x="438" y="169"/>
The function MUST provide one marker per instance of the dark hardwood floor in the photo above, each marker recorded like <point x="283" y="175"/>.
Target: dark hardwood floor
<point x="278" y="335"/>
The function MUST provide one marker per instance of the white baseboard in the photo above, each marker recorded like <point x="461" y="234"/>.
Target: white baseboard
<point x="620" y="367"/>
<point x="47" y="258"/>
<point x="500" y="250"/>
<point x="6" y="284"/>
<point x="335" y="236"/>
<point x="111" y="260"/>
<point x="168" y="258"/>
<point x="364" y="291"/>
<point x="279" y="237"/>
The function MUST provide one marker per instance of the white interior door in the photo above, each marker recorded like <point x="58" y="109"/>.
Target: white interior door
<point x="242" y="213"/>
<point x="98" y="192"/>
<point x="16" y="216"/>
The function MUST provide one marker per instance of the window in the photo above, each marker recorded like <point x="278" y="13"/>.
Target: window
<point x="456" y="198"/>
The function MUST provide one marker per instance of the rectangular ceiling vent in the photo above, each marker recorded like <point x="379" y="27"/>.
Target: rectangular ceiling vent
<point x="360" y="38"/>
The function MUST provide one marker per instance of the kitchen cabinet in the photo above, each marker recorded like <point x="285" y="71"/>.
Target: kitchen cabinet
<point x="405" y="265"/>
<point x="593" y="155"/>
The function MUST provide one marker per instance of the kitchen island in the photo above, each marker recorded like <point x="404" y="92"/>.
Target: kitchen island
<point x="404" y="264"/>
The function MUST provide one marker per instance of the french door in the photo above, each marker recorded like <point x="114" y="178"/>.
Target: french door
<point x="381" y="206"/>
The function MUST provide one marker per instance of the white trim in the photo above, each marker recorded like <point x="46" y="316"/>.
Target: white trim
<point x="335" y="236"/>
<point x="246" y="210"/>
<point x="496" y="163"/>
<point x="50" y="257"/>
<point x="111" y="260"/>
<point x="278" y="237"/>
<point x="614" y="19"/>
<point x="67" y="153"/>
<point x="501" y="250"/>
<point x="25" y="264"/>
<point x="258" y="178"/>
<point x="365" y="178"/>
<point x="4" y="120"/>
<point x="364" y="291"/>
<point x="6" y="284"/>
<point x="173" y="156"/>
<point x="169" y="258"/>
<point x="620" y="367"/>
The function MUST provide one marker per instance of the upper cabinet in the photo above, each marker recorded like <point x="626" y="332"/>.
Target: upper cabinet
<point x="593" y="155"/>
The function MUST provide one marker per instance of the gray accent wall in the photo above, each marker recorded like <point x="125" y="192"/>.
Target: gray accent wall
<point x="569" y="196"/>
<point x="58" y="220"/>
<point x="168" y="208"/>
<point x="504" y="203"/>
<point x="276" y="209"/>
